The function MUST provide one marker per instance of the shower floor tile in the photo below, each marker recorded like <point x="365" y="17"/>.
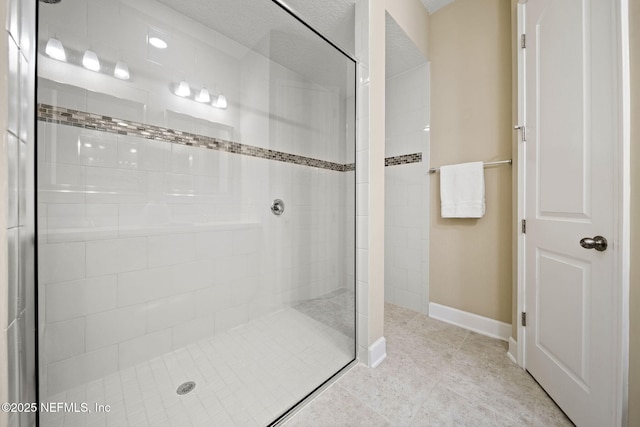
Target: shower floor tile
<point x="245" y="377"/>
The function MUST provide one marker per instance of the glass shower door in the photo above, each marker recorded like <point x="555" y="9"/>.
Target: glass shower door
<point x="196" y="208"/>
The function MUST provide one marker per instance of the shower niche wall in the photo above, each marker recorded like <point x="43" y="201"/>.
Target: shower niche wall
<point x="166" y="129"/>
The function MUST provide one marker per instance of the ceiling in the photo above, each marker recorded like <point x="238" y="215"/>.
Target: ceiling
<point x="401" y="53"/>
<point x="267" y="29"/>
<point x="332" y="18"/>
<point x="434" y="5"/>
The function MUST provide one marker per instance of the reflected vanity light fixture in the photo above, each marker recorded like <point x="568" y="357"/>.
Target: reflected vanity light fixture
<point x="203" y="96"/>
<point x="183" y="89"/>
<point x="90" y="60"/>
<point x="55" y="50"/>
<point x="221" y="102"/>
<point x="121" y="71"/>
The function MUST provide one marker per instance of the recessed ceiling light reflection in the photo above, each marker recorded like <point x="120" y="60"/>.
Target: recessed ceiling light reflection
<point x="157" y="42"/>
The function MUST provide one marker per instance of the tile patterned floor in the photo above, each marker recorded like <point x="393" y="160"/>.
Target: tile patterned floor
<point x="435" y="374"/>
<point x="245" y="377"/>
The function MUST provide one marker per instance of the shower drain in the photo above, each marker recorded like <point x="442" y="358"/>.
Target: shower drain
<point x="185" y="388"/>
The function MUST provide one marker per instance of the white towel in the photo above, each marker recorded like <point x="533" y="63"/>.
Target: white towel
<point x="462" y="190"/>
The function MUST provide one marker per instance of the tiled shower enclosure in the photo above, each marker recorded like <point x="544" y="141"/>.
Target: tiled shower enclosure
<point x="166" y="130"/>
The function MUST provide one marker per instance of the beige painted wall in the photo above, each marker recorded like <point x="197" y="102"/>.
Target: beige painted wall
<point x="470" y="53"/>
<point x="634" y="352"/>
<point x="413" y="19"/>
<point x="376" y="168"/>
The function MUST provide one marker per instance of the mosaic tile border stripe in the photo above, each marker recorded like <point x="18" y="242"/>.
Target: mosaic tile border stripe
<point x="82" y="119"/>
<point x="69" y="117"/>
<point x="405" y="159"/>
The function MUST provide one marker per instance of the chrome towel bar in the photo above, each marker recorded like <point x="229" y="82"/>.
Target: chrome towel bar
<point x="499" y="162"/>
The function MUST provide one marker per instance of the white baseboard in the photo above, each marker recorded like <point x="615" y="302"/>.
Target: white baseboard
<point x="377" y="352"/>
<point x="473" y="322"/>
<point x="513" y="350"/>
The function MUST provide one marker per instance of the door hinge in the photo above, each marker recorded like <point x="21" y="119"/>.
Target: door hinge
<point x="522" y="129"/>
<point x="523" y="41"/>
<point x="523" y="318"/>
<point x="524" y="226"/>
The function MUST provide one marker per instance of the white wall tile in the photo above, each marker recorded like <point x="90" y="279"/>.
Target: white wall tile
<point x="60" y="183"/>
<point x="169" y="312"/>
<point x="61" y="262"/>
<point x="113" y="106"/>
<point x="143" y="348"/>
<point x="80" y="298"/>
<point x="193" y="275"/>
<point x="230" y="268"/>
<point x="145" y="285"/>
<point x="246" y="241"/>
<point x="212" y="299"/>
<point x="157" y="187"/>
<point x="64" y="340"/>
<point x="114" y="326"/>
<point x="13" y="82"/>
<point x="106" y="185"/>
<point x="116" y="256"/>
<point x="362" y="199"/>
<point x="13" y="334"/>
<point x="407" y="299"/>
<point x="77" y="222"/>
<point x="27" y="29"/>
<point x="139" y="218"/>
<point x="363" y="265"/>
<point x="415" y="279"/>
<point x="213" y="244"/>
<point x="171" y="249"/>
<point x="97" y="148"/>
<point x="180" y="188"/>
<point x="363" y="298"/>
<point x="12" y="180"/>
<point x="61" y="143"/>
<point x="184" y="159"/>
<point x="25" y="106"/>
<point x="186" y="214"/>
<point x="83" y="368"/>
<point x="13" y="276"/>
<point x="230" y="317"/>
<point x="192" y="331"/>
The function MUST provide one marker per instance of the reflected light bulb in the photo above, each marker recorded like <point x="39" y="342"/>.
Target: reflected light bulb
<point x="90" y="61"/>
<point x="183" y="89"/>
<point x="55" y="50"/>
<point x="203" y="96"/>
<point x="121" y="71"/>
<point x="221" y="102"/>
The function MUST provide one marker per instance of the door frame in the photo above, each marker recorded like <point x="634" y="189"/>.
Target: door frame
<point x="622" y="200"/>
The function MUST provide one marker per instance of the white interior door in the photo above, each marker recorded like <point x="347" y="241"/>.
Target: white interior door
<point x="571" y="292"/>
